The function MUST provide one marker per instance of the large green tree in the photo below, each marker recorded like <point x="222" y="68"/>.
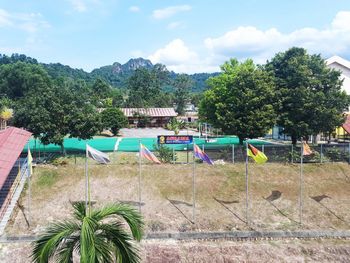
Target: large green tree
<point x="53" y="112"/>
<point x="19" y="78"/>
<point x="309" y="95"/>
<point x="113" y="119"/>
<point x="240" y="100"/>
<point x="182" y="85"/>
<point x="144" y="88"/>
<point x="96" y="236"/>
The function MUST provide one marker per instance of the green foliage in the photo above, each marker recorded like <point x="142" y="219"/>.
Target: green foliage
<point x="175" y="125"/>
<point x="98" y="235"/>
<point x="309" y="95"/>
<point x="113" y="119"/>
<point x="51" y="112"/>
<point x="182" y="85"/>
<point x="240" y="101"/>
<point x="145" y="87"/>
<point x="17" y="79"/>
<point x="335" y="154"/>
<point x="164" y="153"/>
<point x="196" y="98"/>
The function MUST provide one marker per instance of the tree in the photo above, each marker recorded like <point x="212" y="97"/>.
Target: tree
<point x="182" y="85"/>
<point x="175" y="125"/>
<point x="53" y="112"/>
<point x="41" y="112"/>
<point x="196" y="98"/>
<point x="309" y="94"/>
<point x="145" y="87"/>
<point x="97" y="236"/>
<point x="113" y="119"/>
<point x="19" y="78"/>
<point x="100" y="92"/>
<point x="240" y="100"/>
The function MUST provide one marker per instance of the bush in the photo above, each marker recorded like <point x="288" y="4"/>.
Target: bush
<point x="165" y="154"/>
<point x="335" y="154"/>
<point x="59" y="161"/>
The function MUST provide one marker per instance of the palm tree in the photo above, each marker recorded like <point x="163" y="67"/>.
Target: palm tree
<point x="5" y="115"/>
<point x="176" y="125"/>
<point x="97" y="236"/>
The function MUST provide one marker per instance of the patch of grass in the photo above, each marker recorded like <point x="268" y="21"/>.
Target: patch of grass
<point x="47" y="178"/>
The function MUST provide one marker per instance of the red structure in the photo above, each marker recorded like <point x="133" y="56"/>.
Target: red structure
<point x="12" y="142"/>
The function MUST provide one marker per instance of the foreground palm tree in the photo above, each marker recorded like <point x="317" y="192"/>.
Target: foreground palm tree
<point x="97" y="236"/>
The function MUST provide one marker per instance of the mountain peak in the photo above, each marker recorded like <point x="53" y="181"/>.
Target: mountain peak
<point x="136" y="63"/>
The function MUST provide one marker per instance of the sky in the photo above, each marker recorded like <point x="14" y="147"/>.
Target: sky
<point x="187" y="36"/>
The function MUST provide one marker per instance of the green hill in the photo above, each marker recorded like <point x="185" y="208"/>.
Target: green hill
<point x="116" y="74"/>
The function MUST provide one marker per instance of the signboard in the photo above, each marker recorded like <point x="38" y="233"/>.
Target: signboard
<point x="175" y="139"/>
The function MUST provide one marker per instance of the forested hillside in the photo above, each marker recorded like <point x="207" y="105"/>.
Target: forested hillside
<point x="115" y="75"/>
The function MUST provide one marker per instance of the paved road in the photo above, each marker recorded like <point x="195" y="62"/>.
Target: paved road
<point x="151" y="132"/>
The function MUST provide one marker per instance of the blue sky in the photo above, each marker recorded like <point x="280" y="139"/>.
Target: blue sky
<point x="186" y="36"/>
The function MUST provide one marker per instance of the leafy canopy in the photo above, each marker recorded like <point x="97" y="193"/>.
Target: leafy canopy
<point x="240" y="100"/>
<point x="113" y="119"/>
<point x="309" y="95"/>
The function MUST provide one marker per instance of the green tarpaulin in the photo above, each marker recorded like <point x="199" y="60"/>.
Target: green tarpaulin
<point x="131" y="144"/>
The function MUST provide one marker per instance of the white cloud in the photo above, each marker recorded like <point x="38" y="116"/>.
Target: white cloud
<point x="170" y="11"/>
<point x="79" y="5"/>
<point x="134" y="9"/>
<point x="5" y="18"/>
<point x="249" y="41"/>
<point x="174" y="25"/>
<point x="175" y="52"/>
<point x="179" y="58"/>
<point x="28" y="22"/>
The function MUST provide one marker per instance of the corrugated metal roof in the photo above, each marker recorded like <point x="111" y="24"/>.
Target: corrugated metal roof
<point x="12" y="142"/>
<point x="152" y="112"/>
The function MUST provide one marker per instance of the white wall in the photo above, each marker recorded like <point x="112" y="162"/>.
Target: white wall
<point x="345" y="75"/>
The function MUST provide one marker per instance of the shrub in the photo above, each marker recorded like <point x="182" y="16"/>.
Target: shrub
<point x="165" y="154"/>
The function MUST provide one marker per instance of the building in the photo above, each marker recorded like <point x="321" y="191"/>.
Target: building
<point x="190" y="113"/>
<point x="148" y="117"/>
<point x="13" y="170"/>
<point x="343" y="66"/>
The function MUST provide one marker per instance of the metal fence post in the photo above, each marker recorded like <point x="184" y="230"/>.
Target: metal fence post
<point x="233" y="153"/>
<point x="321" y="153"/>
<point x="263" y="148"/>
<point x="349" y="152"/>
<point x="173" y="154"/>
<point x="292" y="152"/>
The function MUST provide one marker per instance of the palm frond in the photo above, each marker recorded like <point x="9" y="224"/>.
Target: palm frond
<point x="79" y="210"/>
<point x="64" y="254"/>
<point x="122" y="240"/>
<point x="128" y="213"/>
<point x="104" y="249"/>
<point x="45" y="246"/>
<point x="87" y="240"/>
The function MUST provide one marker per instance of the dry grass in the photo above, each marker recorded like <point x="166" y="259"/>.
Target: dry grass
<point x="220" y="195"/>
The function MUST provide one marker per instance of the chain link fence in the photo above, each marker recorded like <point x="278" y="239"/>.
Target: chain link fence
<point x="322" y="153"/>
<point x="286" y="153"/>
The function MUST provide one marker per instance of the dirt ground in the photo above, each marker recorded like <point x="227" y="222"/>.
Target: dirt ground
<point x="220" y="204"/>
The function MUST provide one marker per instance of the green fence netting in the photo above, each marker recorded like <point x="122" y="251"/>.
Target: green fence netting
<point x="132" y="144"/>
